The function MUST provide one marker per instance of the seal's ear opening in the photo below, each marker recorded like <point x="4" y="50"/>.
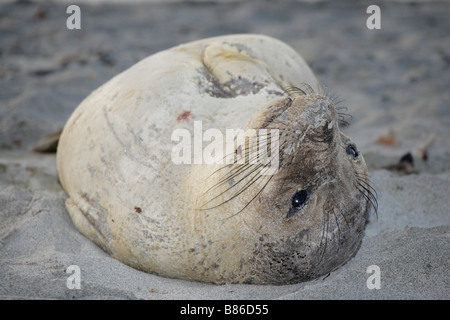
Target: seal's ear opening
<point x="48" y="143"/>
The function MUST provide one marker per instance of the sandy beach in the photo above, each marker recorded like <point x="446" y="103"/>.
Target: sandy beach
<point x="394" y="81"/>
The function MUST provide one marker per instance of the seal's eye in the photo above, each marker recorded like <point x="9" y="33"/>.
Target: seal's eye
<point x="300" y="198"/>
<point x="351" y="150"/>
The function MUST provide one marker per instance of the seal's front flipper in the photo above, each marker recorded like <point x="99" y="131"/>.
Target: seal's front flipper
<point x="90" y="222"/>
<point x="48" y="144"/>
<point x="232" y="64"/>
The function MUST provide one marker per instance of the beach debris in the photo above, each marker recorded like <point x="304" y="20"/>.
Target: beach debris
<point x="405" y="164"/>
<point x="105" y="58"/>
<point x="387" y="139"/>
<point x="423" y="148"/>
<point x="41" y="14"/>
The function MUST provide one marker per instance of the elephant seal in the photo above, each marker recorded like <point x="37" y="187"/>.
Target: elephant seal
<point x="137" y="191"/>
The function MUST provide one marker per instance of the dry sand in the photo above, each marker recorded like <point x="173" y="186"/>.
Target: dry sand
<point x="394" y="81"/>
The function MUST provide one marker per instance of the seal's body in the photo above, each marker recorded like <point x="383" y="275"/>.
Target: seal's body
<point x="220" y="223"/>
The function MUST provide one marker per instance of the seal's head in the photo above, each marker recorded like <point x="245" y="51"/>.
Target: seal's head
<point x="309" y="215"/>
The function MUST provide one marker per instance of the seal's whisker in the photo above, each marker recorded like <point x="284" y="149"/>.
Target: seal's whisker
<point x="233" y="173"/>
<point x="224" y="179"/>
<point x="325" y="226"/>
<point x="322" y="89"/>
<point x="224" y="167"/>
<point x="338" y="228"/>
<point x="217" y="170"/>
<point x="254" y="169"/>
<point x="266" y="167"/>
<point x="257" y="194"/>
<point x="245" y="187"/>
<point x="368" y="182"/>
<point x="370" y="190"/>
<point x="255" y="178"/>
<point x="246" y="149"/>
<point x="341" y="118"/>
<point x="332" y="96"/>
<point x="229" y="175"/>
<point x="370" y="197"/>
<point x="340" y="107"/>
<point x="337" y="102"/>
